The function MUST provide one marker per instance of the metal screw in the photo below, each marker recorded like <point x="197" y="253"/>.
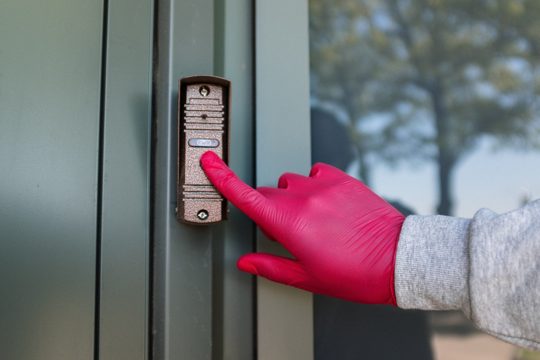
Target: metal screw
<point x="204" y="90"/>
<point x="202" y="215"/>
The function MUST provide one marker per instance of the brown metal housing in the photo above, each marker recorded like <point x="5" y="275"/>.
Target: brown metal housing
<point x="203" y="125"/>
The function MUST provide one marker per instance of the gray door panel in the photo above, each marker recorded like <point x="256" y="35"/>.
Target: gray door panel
<point x="50" y="59"/>
<point x="125" y="216"/>
<point x="75" y="153"/>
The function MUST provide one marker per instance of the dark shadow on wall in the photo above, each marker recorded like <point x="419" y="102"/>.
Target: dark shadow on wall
<point x="345" y="330"/>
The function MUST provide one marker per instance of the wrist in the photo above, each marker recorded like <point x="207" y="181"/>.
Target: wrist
<point x="393" y="298"/>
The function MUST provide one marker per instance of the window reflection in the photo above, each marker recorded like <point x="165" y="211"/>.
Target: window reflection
<point x="439" y="102"/>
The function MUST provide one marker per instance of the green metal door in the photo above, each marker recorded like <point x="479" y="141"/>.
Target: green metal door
<point x="50" y="81"/>
<point x="88" y="269"/>
<point x="75" y="81"/>
<point x="204" y="308"/>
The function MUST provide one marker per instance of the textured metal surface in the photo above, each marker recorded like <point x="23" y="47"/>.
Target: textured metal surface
<point x="203" y="118"/>
<point x="50" y="59"/>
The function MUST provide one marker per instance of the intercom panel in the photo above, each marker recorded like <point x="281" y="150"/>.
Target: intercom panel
<point x="203" y="125"/>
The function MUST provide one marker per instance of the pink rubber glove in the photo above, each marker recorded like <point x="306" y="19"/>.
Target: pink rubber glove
<point x="342" y="235"/>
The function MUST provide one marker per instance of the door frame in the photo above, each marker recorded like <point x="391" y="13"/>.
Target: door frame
<point x="283" y="138"/>
<point x="123" y="268"/>
<point x="203" y="307"/>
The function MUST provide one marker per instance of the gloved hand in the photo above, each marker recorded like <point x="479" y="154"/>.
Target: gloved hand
<point x="342" y="235"/>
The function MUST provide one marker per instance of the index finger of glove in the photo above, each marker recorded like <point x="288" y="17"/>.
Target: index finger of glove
<point x="243" y="196"/>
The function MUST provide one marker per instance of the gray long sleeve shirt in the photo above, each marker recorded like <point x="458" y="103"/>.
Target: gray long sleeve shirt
<point x="487" y="266"/>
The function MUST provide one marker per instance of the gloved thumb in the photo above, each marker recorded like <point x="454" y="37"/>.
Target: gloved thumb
<point x="276" y="268"/>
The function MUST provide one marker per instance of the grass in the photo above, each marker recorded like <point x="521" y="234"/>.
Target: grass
<point x="527" y="355"/>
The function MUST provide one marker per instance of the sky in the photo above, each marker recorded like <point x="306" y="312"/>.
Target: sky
<point x="497" y="180"/>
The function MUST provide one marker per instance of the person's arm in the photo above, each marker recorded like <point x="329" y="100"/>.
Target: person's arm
<point x="487" y="266"/>
<point x="349" y="243"/>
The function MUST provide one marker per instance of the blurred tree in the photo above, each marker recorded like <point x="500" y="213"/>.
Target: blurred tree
<point x="427" y="79"/>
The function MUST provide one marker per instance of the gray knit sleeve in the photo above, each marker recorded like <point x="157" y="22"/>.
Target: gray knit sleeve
<point x="487" y="266"/>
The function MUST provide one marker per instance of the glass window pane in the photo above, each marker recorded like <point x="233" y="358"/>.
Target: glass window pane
<point x="434" y="104"/>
